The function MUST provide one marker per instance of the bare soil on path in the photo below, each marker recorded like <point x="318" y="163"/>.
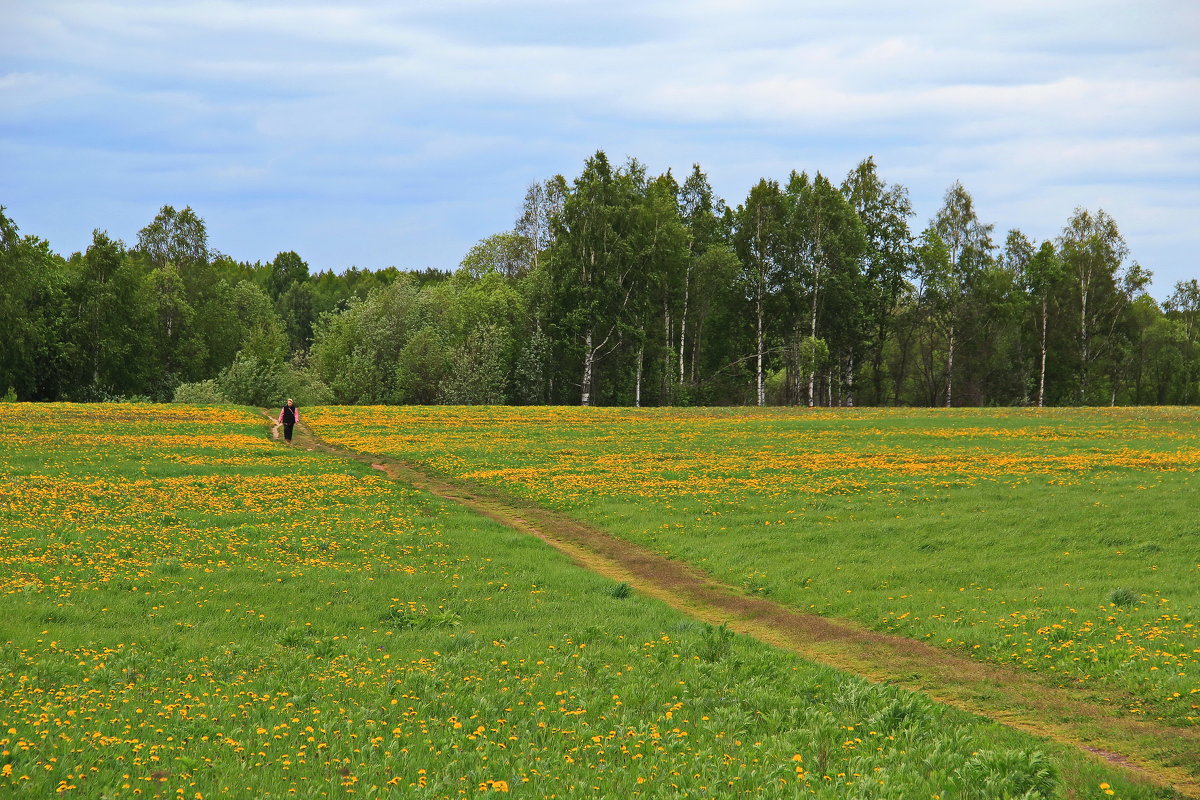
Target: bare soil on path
<point x="1149" y="750"/>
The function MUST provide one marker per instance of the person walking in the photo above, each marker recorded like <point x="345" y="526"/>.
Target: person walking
<point x="289" y="416"/>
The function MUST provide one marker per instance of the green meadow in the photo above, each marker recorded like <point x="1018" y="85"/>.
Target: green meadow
<point x="1062" y="542"/>
<point x="189" y="609"/>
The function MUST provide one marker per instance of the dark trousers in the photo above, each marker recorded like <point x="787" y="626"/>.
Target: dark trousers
<point x="287" y="431"/>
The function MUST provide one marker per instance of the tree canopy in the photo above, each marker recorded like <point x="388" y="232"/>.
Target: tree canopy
<point x="619" y="286"/>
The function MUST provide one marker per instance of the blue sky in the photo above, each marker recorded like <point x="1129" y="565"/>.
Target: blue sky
<point x="395" y="133"/>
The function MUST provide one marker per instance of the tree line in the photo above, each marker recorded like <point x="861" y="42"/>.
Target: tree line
<point x="620" y="287"/>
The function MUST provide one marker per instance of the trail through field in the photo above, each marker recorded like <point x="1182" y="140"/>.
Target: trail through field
<point x="1100" y="725"/>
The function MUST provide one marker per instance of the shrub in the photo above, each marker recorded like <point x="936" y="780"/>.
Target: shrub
<point x="882" y="708"/>
<point x="421" y="367"/>
<point x="404" y="618"/>
<point x="199" y="394"/>
<point x="994" y="774"/>
<point x="170" y="566"/>
<point x="620" y="591"/>
<point x="715" y="643"/>
<point x="1123" y="597"/>
<point x="303" y="386"/>
<point x="251" y="381"/>
<point x="477" y="372"/>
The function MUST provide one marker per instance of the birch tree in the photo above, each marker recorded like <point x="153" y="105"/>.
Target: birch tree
<point x="884" y="210"/>
<point x="759" y="245"/>
<point x="594" y="273"/>
<point x="701" y="211"/>
<point x="660" y="248"/>
<point x="111" y="330"/>
<point x="1042" y="275"/>
<point x="179" y="351"/>
<point x="932" y="306"/>
<point x="1093" y="254"/>
<point x="175" y="237"/>
<point x="33" y="316"/>
<point x="968" y="243"/>
<point x="824" y="244"/>
<point x="543" y="202"/>
<point x="1184" y="304"/>
<point x="1014" y="260"/>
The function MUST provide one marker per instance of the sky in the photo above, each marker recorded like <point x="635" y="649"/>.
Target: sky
<point x="376" y="134"/>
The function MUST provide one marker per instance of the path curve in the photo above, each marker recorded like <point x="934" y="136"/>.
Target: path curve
<point x="1139" y="746"/>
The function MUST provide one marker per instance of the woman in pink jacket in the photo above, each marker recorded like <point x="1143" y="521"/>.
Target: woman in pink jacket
<point x="289" y="416"/>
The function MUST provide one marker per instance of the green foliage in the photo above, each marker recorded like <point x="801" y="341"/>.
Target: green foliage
<point x="286" y="271"/>
<point x="179" y="348"/>
<point x="200" y="393"/>
<point x="620" y="591"/>
<point x="296" y="309"/>
<point x="255" y="329"/>
<point x="884" y="211"/>
<point x="1016" y="774"/>
<point x="621" y="287"/>
<point x="302" y="384"/>
<point x="421" y="618"/>
<point x="811" y="354"/>
<point x="253" y="381"/>
<point x="357" y="353"/>
<point x="175" y="237"/>
<point x="506" y="254"/>
<point x="1099" y="288"/>
<point x="805" y="357"/>
<point x="715" y="643"/>
<point x="758" y="239"/>
<point x="617" y="240"/>
<point x="112" y="335"/>
<point x="529" y="384"/>
<point x="421" y="368"/>
<point x="1124" y="598"/>
<point x="477" y="373"/>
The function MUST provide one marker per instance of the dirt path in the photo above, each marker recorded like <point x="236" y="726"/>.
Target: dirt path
<point x="1151" y="751"/>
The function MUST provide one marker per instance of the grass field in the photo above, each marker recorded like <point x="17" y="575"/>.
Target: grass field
<point x="1060" y="541"/>
<point x="188" y="609"/>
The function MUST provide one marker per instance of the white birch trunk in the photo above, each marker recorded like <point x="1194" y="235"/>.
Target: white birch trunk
<point x="637" y="389"/>
<point x="950" y="367"/>
<point x="668" y="367"/>
<point x="1042" y="377"/>
<point x="850" y="382"/>
<point x="589" y="358"/>
<point x="696" y="335"/>
<point x="683" y="323"/>
<point x="1083" y="341"/>
<point x="759" y="384"/>
<point x="812" y="332"/>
